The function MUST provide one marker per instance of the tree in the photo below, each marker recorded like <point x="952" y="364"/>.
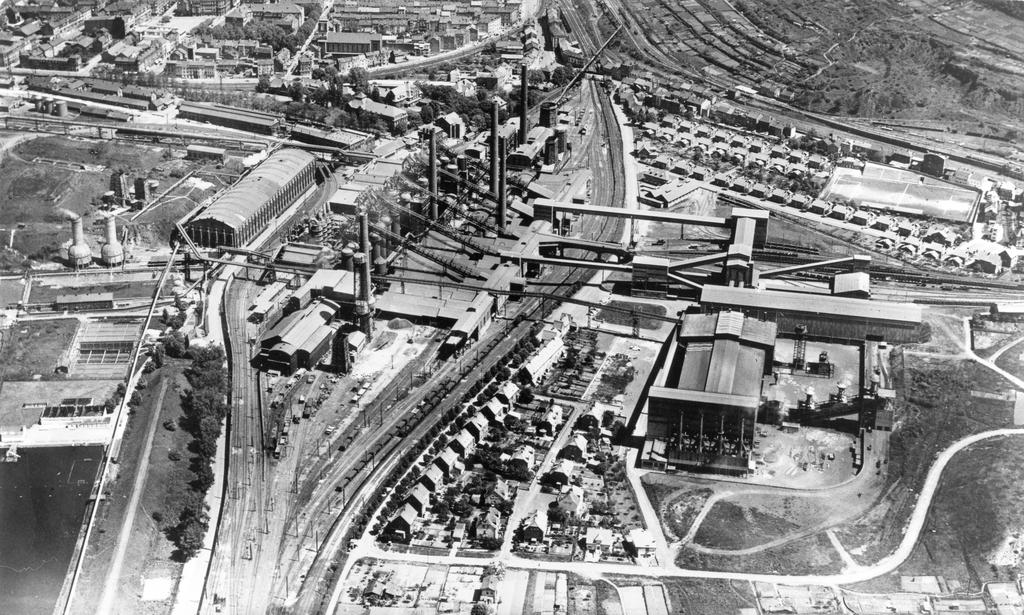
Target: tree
<point x="263" y="84"/>
<point x="427" y="113"/>
<point x="526" y="395"/>
<point x="175" y="344"/>
<point x="190" y="539"/>
<point x="480" y="608"/>
<point x="359" y="79"/>
<point x="562" y="75"/>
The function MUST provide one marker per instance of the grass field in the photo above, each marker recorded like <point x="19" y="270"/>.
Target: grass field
<point x="149" y="549"/>
<point x="677" y="507"/>
<point x="811" y="555"/>
<point x="33" y="193"/>
<point x="728" y="526"/>
<point x="974" y="511"/>
<point x="934" y="409"/>
<point x="887" y="188"/>
<point x="35" y="347"/>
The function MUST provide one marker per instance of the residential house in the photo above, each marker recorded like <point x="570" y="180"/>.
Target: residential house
<point x="488" y="525"/>
<point x="432" y="478"/>
<point x="402" y="525"/>
<point x="522" y="460"/>
<point x="640" y="542"/>
<point x="418" y="498"/>
<point x="494" y="410"/>
<point x="601" y="541"/>
<point x="535" y="527"/>
<point x="551" y="421"/>
<point x="573" y="501"/>
<point x="502" y="492"/>
<point x="447" y="462"/>
<point x="463" y="444"/>
<point x="562" y="473"/>
<point x="576" y="448"/>
<point x="477" y="427"/>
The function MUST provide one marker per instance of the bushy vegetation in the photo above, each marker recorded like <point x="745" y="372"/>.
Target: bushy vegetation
<point x="205" y="406"/>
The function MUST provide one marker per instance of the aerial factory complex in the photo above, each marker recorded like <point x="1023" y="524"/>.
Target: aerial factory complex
<point x="511" y="307"/>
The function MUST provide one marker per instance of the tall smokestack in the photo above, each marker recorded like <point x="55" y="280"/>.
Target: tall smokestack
<point x="432" y="175"/>
<point x="364" y="232"/>
<point x="79" y="253"/>
<point x="112" y="252"/>
<point x="500" y="213"/>
<point x="364" y="299"/>
<point x="494" y="146"/>
<point x="524" y="121"/>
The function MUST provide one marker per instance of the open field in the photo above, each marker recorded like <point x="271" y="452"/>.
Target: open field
<point x="915" y="59"/>
<point x="710" y="597"/>
<point x="149" y="549"/>
<point x="901" y="191"/>
<point x="32" y="348"/>
<point x="728" y="526"/>
<point x="42" y="176"/>
<point x="973" y="530"/>
<point x="677" y="508"/>
<point x="934" y="408"/>
<point x="811" y="555"/>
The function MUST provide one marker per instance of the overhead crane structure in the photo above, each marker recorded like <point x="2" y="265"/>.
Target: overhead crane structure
<point x="579" y="75"/>
<point x="452" y="210"/>
<point x="262" y="263"/>
<point x="438" y="227"/>
<point x="449" y="266"/>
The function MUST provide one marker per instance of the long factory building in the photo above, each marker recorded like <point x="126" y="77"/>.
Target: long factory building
<point x="246" y="208"/>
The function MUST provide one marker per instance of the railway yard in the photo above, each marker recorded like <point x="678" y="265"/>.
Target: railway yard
<point x="701" y="307"/>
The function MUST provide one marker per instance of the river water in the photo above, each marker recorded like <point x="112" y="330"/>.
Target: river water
<point x="43" y="498"/>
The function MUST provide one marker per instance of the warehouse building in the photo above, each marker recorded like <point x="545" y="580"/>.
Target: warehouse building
<point x="230" y="117"/>
<point x="300" y="340"/>
<point x="826" y="317"/>
<point x="249" y="206"/>
<point x="702" y="404"/>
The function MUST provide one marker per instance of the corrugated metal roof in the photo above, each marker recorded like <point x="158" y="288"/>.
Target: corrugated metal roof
<point x="839" y="307"/>
<point x="244" y="199"/>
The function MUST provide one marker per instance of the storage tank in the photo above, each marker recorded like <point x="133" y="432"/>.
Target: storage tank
<point x="548" y="114"/>
<point x="48" y="106"/>
<point x="79" y="253"/>
<point x="347" y="263"/>
<point x="60" y="108"/>
<point x="112" y="252"/>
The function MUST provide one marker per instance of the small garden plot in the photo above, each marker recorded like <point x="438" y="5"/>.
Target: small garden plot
<point x="615" y="377"/>
<point x="571" y="376"/>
